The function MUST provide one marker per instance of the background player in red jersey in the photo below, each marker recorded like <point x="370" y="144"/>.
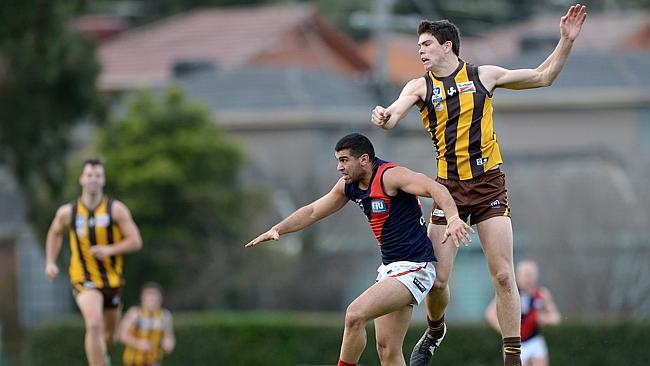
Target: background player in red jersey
<point x="537" y="309"/>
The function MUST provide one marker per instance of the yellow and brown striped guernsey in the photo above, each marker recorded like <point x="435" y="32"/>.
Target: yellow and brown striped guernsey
<point x="150" y="326"/>
<point x="89" y="228"/>
<point x="457" y="113"/>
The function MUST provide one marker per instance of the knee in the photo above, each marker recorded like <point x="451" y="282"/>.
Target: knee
<point x="441" y="282"/>
<point x="387" y="351"/>
<point x="504" y="280"/>
<point x="354" y="318"/>
<point x="94" y="326"/>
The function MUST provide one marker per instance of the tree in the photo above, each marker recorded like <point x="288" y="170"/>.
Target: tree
<point x="47" y="85"/>
<point x="179" y="173"/>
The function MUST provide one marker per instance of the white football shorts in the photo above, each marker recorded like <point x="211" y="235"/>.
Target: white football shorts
<point x="533" y="348"/>
<point x="417" y="277"/>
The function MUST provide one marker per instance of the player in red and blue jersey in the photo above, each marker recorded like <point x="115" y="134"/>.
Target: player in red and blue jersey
<point x="537" y="309"/>
<point x="387" y="194"/>
<point x="396" y="221"/>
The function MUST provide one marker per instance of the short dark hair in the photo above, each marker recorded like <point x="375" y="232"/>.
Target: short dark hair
<point x="358" y="145"/>
<point x="92" y="162"/>
<point x="443" y="30"/>
<point x="152" y="286"/>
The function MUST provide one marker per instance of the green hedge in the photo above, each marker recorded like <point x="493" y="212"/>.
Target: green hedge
<point x="286" y="339"/>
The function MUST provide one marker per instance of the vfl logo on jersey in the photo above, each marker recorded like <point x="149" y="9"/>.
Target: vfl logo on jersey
<point x="102" y="220"/>
<point x="80" y="225"/>
<point x="150" y="324"/>
<point x="436" y="98"/>
<point x="481" y="161"/>
<point x="466" y="87"/>
<point x="451" y="91"/>
<point x="378" y="206"/>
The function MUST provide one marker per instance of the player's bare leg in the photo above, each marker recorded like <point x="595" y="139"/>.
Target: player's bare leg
<point x="496" y="240"/>
<point x="111" y="318"/>
<point x="390" y="331"/>
<point x="437" y="299"/>
<point x="91" y="304"/>
<point x="384" y="297"/>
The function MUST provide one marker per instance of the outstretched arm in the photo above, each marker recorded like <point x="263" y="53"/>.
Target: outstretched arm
<point x="333" y="201"/>
<point x="406" y="180"/>
<point x="414" y="92"/>
<point x="544" y="75"/>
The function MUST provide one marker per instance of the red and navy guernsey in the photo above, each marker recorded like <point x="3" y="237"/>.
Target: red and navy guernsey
<point x="396" y="221"/>
<point x="530" y="305"/>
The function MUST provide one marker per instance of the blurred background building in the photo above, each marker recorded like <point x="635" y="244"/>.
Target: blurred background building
<point x="288" y="80"/>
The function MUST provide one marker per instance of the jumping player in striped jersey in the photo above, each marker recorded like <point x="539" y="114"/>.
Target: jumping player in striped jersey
<point x="455" y="103"/>
<point x="387" y="195"/>
<point x="537" y="309"/>
<point x="101" y="230"/>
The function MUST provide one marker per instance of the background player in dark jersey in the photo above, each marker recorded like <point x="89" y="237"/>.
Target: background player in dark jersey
<point x="101" y="230"/>
<point x="147" y="330"/>
<point x="387" y="195"/>
<point x="537" y="309"/>
<point x="455" y="102"/>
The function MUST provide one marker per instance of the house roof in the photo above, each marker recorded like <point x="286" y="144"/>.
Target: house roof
<point x="99" y="28"/>
<point x="276" y="97"/>
<point x="227" y="37"/>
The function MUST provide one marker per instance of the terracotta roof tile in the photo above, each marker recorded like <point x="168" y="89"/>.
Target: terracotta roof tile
<point x="225" y="36"/>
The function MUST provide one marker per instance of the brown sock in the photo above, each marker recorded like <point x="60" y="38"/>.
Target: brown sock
<point x="512" y="351"/>
<point x="436" y="327"/>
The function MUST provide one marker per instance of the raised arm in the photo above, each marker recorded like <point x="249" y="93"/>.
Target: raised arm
<point x="549" y="313"/>
<point x="54" y="238"/>
<point x="570" y="25"/>
<point x="403" y="179"/>
<point x="333" y="201"/>
<point x="131" y="240"/>
<point x="413" y="93"/>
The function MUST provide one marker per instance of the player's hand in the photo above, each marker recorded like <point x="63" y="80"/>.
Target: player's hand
<point x="167" y="345"/>
<point x="51" y="271"/>
<point x="143" y="345"/>
<point x="458" y="231"/>
<point x="101" y="251"/>
<point x="272" y="234"/>
<point x="379" y="116"/>
<point x="571" y="23"/>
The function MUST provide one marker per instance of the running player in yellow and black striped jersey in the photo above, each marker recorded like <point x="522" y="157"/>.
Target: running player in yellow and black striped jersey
<point x="147" y="330"/>
<point x="455" y="103"/>
<point x="101" y="231"/>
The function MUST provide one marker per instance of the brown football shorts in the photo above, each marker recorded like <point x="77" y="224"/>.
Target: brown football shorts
<point x="112" y="295"/>
<point x="477" y="199"/>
